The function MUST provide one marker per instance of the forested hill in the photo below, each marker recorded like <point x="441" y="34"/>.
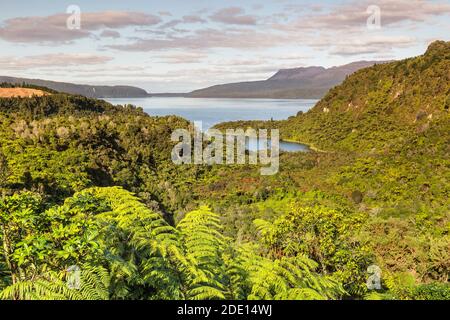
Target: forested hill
<point x="82" y="89"/>
<point x="388" y="127"/>
<point x="385" y="105"/>
<point x="88" y="184"/>
<point x="58" y="144"/>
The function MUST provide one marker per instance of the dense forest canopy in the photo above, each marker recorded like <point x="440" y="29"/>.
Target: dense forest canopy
<point x="87" y="184"/>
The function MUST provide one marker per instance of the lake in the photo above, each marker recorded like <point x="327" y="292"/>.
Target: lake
<point x="213" y="111"/>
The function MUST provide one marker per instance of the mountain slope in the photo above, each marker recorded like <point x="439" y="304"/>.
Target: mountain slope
<point x="386" y="129"/>
<point x="380" y="106"/>
<point x="306" y="83"/>
<point x="84" y="90"/>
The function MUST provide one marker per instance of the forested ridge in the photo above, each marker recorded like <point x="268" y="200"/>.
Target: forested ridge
<point x="90" y="91"/>
<point x="92" y="185"/>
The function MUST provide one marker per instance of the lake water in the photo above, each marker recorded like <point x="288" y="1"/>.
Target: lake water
<point x="213" y="111"/>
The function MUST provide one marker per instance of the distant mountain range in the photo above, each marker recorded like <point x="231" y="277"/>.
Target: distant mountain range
<point x="297" y="83"/>
<point x="81" y="89"/>
<point x="306" y="83"/>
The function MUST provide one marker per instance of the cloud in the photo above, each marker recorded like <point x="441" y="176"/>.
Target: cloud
<point x="193" y="19"/>
<point x="233" y="15"/>
<point x="188" y="45"/>
<point x="110" y="34"/>
<point x="354" y="13"/>
<point x="369" y="45"/>
<point x="165" y="13"/>
<point x="342" y="30"/>
<point x="117" y="19"/>
<point x="241" y="62"/>
<point x="37" y="29"/>
<point x="51" y="60"/>
<point x="53" y="29"/>
<point x="190" y="19"/>
<point x="206" y="39"/>
<point x="183" y="58"/>
<point x="170" y="24"/>
<point x="89" y="69"/>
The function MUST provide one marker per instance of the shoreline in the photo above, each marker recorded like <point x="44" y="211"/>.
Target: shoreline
<point x="310" y="146"/>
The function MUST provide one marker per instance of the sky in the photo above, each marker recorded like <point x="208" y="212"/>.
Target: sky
<point x="179" y="46"/>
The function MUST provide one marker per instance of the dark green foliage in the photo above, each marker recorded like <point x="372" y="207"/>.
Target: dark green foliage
<point x="59" y="144"/>
<point x="126" y="251"/>
<point x="90" y="184"/>
<point x="432" y="291"/>
<point x="383" y="142"/>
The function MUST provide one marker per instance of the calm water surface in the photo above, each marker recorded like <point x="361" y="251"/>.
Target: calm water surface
<point x="213" y="111"/>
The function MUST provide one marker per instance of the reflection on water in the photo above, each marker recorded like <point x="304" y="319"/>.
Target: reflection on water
<point x="253" y="145"/>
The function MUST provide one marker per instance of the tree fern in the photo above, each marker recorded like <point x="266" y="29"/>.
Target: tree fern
<point x="287" y="278"/>
<point x="94" y="285"/>
<point x="130" y="252"/>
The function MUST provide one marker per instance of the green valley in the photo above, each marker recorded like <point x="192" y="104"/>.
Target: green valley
<point x="88" y="184"/>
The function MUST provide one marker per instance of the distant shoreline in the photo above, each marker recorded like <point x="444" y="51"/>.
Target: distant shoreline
<point x="310" y="146"/>
<point x="187" y="95"/>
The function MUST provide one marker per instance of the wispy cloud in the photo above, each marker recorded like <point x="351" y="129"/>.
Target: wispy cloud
<point x="236" y="41"/>
<point x="354" y="13"/>
<point x="182" y="58"/>
<point x="51" y="60"/>
<point x="193" y="19"/>
<point x="189" y="19"/>
<point x="206" y="39"/>
<point x="110" y="34"/>
<point x="370" y="45"/>
<point x="233" y="15"/>
<point x="53" y="29"/>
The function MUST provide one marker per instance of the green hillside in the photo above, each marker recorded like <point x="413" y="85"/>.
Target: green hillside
<point x="380" y="107"/>
<point x="88" y="184"/>
<point x="391" y="120"/>
<point x="383" y="136"/>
